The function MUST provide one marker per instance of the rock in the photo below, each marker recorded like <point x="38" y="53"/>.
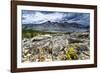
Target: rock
<point x="52" y="47"/>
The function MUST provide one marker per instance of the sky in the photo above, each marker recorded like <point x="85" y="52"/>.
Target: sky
<point x="38" y="17"/>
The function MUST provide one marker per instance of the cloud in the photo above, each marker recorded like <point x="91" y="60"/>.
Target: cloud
<point x="39" y="17"/>
<point x="81" y="19"/>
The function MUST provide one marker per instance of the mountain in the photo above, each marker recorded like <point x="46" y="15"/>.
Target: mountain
<point x="57" y="27"/>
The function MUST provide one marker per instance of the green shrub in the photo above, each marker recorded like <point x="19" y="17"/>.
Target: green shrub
<point x="71" y="53"/>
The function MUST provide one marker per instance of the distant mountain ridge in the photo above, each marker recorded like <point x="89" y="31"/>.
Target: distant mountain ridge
<point x="57" y="26"/>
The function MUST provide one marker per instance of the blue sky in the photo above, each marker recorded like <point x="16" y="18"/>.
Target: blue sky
<point x="38" y="17"/>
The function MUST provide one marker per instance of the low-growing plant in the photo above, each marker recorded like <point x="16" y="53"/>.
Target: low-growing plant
<point x="71" y="53"/>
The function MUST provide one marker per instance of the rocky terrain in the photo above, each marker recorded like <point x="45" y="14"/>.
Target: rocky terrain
<point x="56" y="47"/>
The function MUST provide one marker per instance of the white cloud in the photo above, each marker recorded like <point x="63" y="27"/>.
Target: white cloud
<point x="39" y="17"/>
